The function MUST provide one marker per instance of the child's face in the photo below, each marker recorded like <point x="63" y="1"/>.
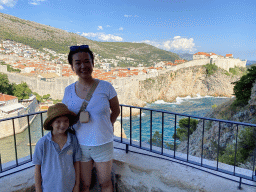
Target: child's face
<point x="60" y="125"/>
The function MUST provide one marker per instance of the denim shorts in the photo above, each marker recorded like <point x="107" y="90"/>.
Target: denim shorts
<point x="101" y="153"/>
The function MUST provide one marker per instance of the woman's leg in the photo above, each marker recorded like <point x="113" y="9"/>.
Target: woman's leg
<point x="104" y="175"/>
<point x="86" y="175"/>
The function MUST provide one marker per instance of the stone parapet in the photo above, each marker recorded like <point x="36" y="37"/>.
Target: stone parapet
<point x="141" y="170"/>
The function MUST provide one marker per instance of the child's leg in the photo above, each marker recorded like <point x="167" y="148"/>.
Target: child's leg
<point x="86" y="175"/>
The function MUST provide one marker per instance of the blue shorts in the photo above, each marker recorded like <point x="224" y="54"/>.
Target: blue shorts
<point x="101" y="153"/>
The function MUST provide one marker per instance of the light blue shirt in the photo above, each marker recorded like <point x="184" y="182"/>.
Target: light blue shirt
<point x="57" y="166"/>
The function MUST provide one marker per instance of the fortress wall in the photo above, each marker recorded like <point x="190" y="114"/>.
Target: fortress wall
<point x="3" y="68"/>
<point x="229" y="63"/>
<point x="20" y="124"/>
<point x="57" y="86"/>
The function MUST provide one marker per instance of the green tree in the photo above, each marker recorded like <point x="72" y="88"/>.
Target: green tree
<point x="242" y="88"/>
<point x="157" y="141"/>
<point x="247" y="142"/>
<point x="182" y="131"/>
<point x="5" y="86"/>
<point x="45" y="97"/>
<point x="22" y="91"/>
<point x="38" y="97"/>
<point x="245" y="148"/>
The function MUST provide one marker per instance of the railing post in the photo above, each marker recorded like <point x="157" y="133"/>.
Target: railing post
<point x="42" y="124"/>
<point x="126" y="148"/>
<point x="162" y="134"/>
<point x="121" y="124"/>
<point x="150" y="130"/>
<point x="218" y="148"/>
<point x="15" y="145"/>
<point x="130" y="126"/>
<point x="29" y="136"/>
<point x="202" y="150"/>
<point x="188" y="137"/>
<point x="240" y="183"/>
<point x="175" y="121"/>
<point x="235" y="147"/>
<point x="140" y="128"/>
<point x="1" y="169"/>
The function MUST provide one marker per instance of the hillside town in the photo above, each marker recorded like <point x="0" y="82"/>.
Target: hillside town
<point x="49" y="65"/>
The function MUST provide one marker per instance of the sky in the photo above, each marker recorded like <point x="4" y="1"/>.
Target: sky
<point x="180" y="26"/>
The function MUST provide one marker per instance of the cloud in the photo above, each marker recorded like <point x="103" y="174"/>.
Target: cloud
<point x="121" y="29"/>
<point x="176" y="44"/>
<point x="108" y="25"/>
<point x="35" y="2"/>
<point x="103" y="36"/>
<point x="131" y="16"/>
<point x="7" y="3"/>
<point x="100" y="28"/>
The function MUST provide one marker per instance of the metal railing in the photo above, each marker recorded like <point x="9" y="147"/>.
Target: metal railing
<point x="149" y="145"/>
<point x="199" y="165"/>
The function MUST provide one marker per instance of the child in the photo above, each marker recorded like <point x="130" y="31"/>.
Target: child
<point x="58" y="153"/>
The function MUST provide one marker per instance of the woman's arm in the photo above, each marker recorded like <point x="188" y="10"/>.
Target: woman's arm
<point x="77" y="171"/>
<point x="115" y="110"/>
<point x="38" y="178"/>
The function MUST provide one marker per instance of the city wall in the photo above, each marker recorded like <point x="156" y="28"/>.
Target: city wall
<point x="57" y="86"/>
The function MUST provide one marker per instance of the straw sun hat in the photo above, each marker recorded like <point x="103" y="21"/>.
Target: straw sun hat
<point x="57" y="110"/>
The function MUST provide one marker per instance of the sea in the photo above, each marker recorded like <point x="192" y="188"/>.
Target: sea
<point x="196" y="106"/>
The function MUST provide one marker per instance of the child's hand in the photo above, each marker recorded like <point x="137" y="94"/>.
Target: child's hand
<point x="76" y="188"/>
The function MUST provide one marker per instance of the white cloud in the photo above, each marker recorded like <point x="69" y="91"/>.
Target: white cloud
<point x="176" y="44"/>
<point x="131" y="16"/>
<point x="108" y="25"/>
<point x="121" y="29"/>
<point x="7" y="3"/>
<point x="35" y="2"/>
<point x="103" y="36"/>
<point x="100" y="28"/>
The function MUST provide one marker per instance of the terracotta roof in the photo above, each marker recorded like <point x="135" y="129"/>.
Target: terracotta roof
<point x="229" y="55"/>
<point x="202" y="53"/>
<point x="4" y="97"/>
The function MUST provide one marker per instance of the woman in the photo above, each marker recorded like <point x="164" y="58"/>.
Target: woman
<point x="96" y="136"/>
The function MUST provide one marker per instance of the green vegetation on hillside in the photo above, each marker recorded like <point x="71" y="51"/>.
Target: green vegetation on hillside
<point x="211" y="68"/>
<point x="40" y="36"/>
<point x="184" y="125"/>
<point x="21" y="91"/>
<point x="242" y="88"/>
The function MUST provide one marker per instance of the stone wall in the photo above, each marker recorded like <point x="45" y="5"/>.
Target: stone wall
<point x="123" y="85"/>
<point x="19" y="123"/>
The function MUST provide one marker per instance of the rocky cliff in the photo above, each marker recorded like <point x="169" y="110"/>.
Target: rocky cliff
<point x="183" y="82"/>
<point x="228" y="131"/>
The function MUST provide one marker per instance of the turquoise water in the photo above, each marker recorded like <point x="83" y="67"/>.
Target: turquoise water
<point x="198" y="106"/>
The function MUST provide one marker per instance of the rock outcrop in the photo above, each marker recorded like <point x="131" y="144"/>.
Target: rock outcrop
<point x="227" y="134"/>
<point x="172" y="84"/>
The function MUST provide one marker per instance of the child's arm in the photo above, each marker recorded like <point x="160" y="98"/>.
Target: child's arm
<point x="77" y="170"/>
<point x="38" y="179"/>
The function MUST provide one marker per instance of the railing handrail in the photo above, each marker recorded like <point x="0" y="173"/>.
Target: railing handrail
<point x="193" y="116"/>
<point x="253" y="178"/>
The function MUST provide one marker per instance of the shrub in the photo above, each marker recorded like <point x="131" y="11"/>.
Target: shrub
<point x="242" y="88"/>
<point x="182" y="131"/>
<point x="210" y="69"/>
